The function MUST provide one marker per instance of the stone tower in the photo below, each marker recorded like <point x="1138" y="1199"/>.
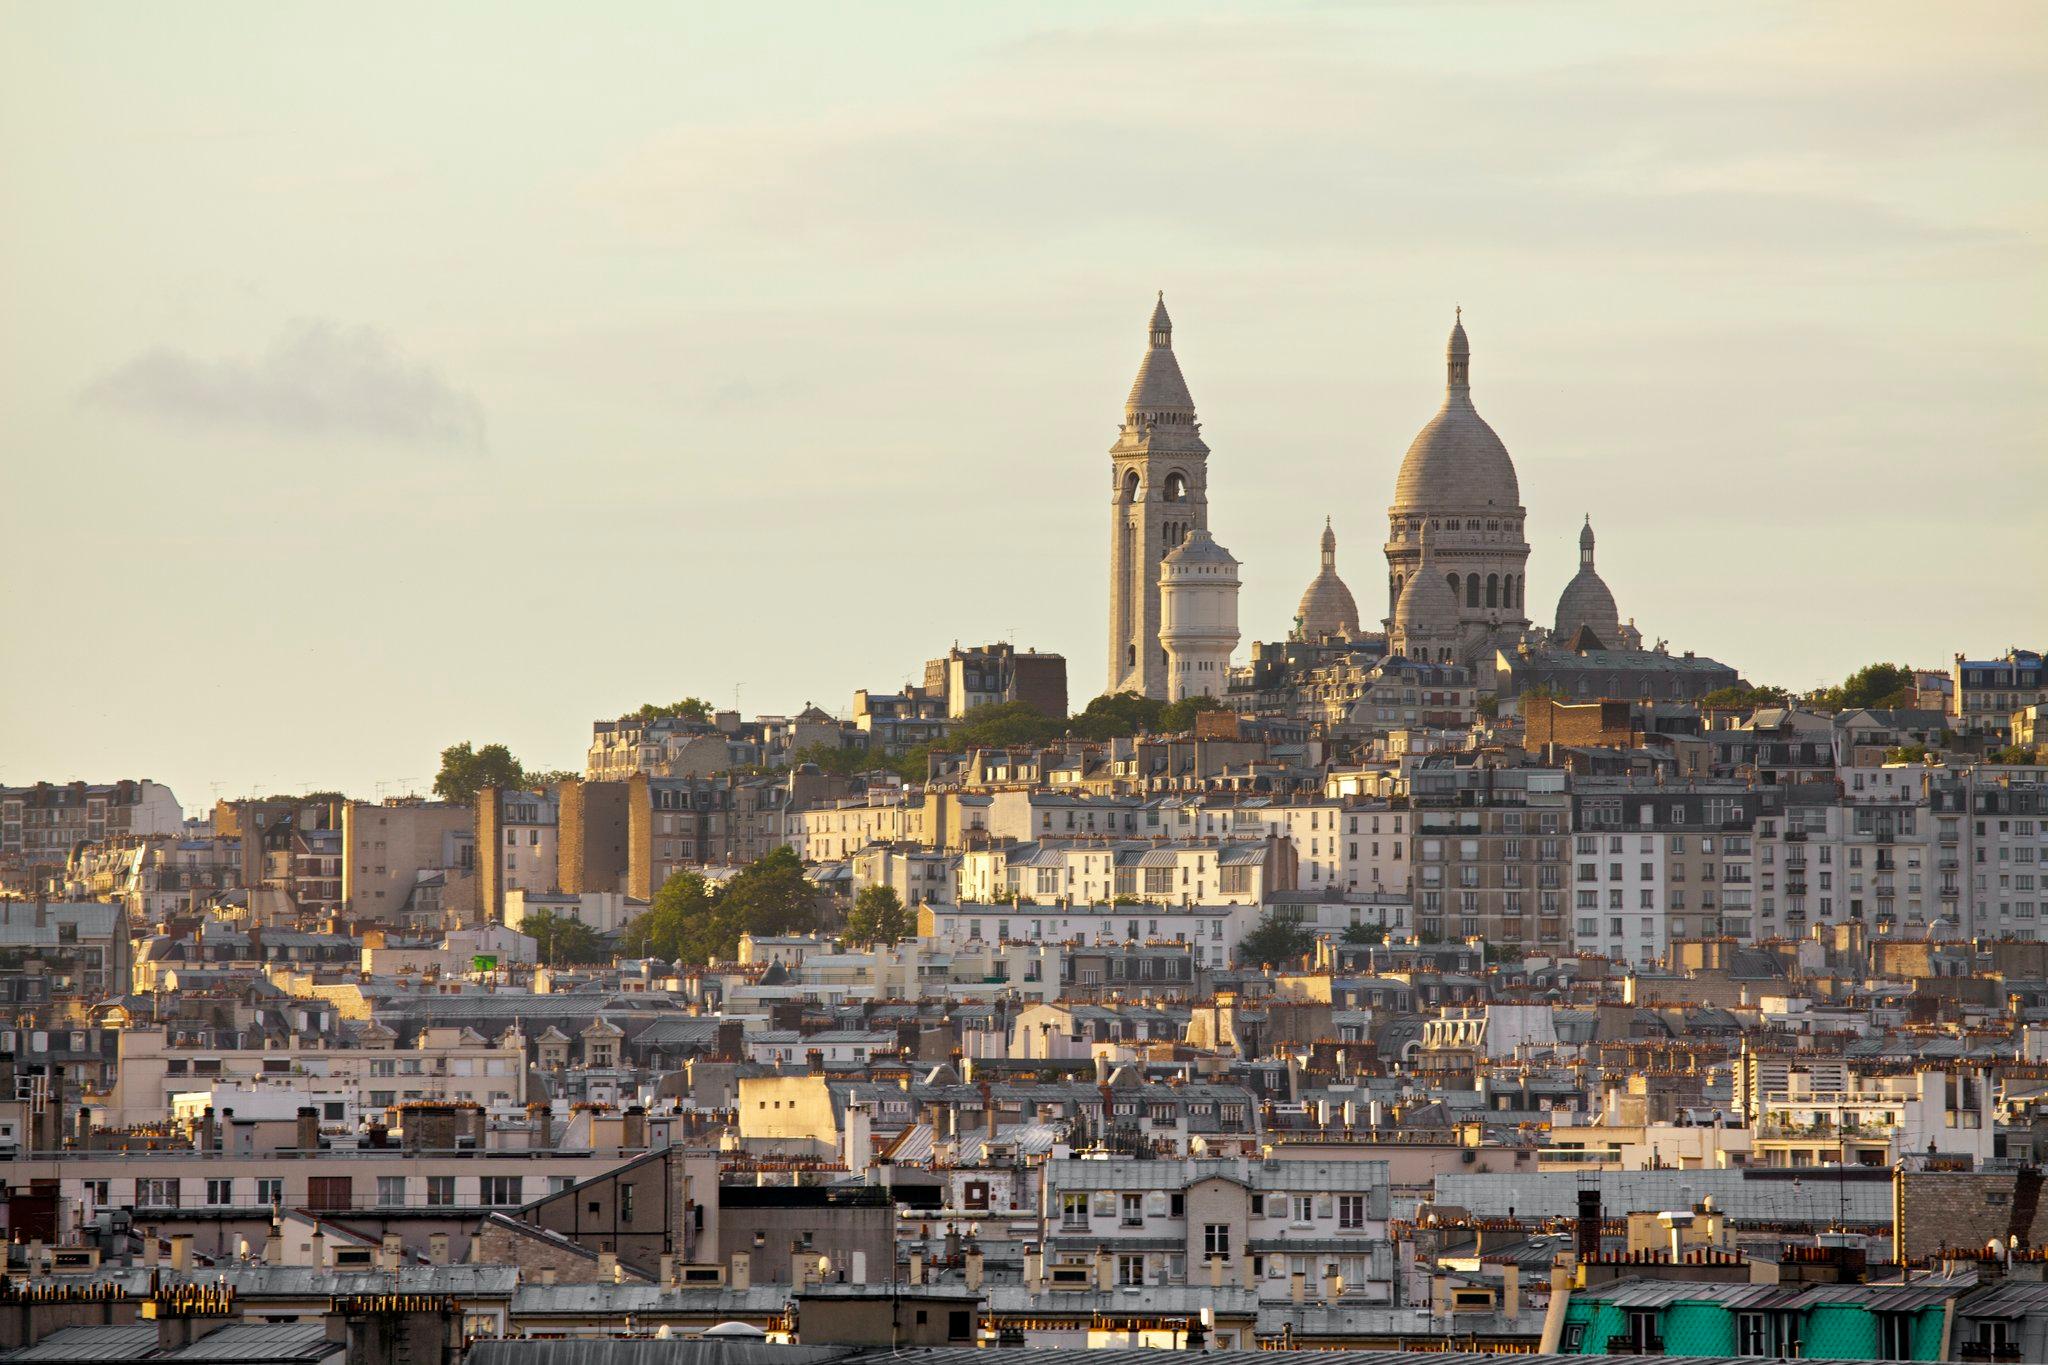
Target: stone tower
<point x="1159" y="492"/>
<point x="1458" y="481"/>
<point x="1197" y="616"/>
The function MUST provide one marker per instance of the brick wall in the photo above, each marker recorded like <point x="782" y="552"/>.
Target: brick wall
<point x="1936" y="1209"/>
<point x="593" y="838"/>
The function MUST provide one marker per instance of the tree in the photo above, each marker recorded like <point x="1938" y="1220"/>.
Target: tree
<point x="1876" y="686"/>
<point x="1362" y="934"/>
<point x="1907" y="753"/>
<point x="1488" y="707"/>
<point x="1116" y="715"/>
<point x="1743" y="697"/>
<point x="1178" y="716"/>
<point x="1275" y="942"/>
<point x="879" y="916"/>
<point x="689" y="708"/>
<point x="2014" y="753"/>
<point x="771" y="895"/>
<point x="680" y="908"/>
<point x="562" y="938"/>
<point x="465" y="771"/>
<point x="837" y="759"/>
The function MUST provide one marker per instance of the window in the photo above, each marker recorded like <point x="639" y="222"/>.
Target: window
<point x="440" y="1190"/>
<point x="220" y="1193"/>
<point x="1130" y="1270"/>
<point x="269" y="1190"/>
<point x="328" y="1192"/>
<point x="625" y="1203"/>
<point x="1216" y="1239"/>
<point x="1133" y="1207"/>
<point x="501" y="1189"/>
<point x="1304" y="1208"/>
<point x="391" y="1191"/>
<point x="1074" y="1210"/>
<point x="1350" y="1211"/>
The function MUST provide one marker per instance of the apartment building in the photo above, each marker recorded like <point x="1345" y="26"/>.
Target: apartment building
<point x="518" y="837"/>
<point x="1087" y="872"/>
<point x="347" y="1085"/>
<point x="837" y="831"/>
<point x="385" y="849"/>
<point x="1809" y="1109"/>
<point x="993" y="674"/>
<point x="2007" y="848"/>
<point x="1653" y="863"/>
<point x="1211" y="932"/>
<point x="1488" y="851"/>
<point x="1827" y="861"/>
<point x="82" y="947"/>
<point x="41" y="824"/>
<point x="1986" y="692"/>
<point x="1284" y="1229"/>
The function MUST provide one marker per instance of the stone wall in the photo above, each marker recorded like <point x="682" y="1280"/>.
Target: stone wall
<point x="1937" y="1209"/>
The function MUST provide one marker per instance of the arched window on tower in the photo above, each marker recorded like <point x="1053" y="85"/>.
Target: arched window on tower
<point x="1176" y="487"/>
<point x="1130" y="656"/>
<point x="1493" y="590"/>
<point x="1472" y="590"/>
<point x="1131" y="486"/>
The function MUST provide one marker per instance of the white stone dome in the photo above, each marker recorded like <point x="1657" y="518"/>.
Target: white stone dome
<point x="1456" y="462"/>
<point x="1327" y="608"/>
<point x="1586" y="602"/>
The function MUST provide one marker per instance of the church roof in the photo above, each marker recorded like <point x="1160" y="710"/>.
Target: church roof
<point x="1426" y="602"/>
<point x="1456" y="462"/>
<point x="1199" y="548"/>
<point x="1586" y="604"/>
<point x="1327" y="607"/>
<point x="1159" y="386"/>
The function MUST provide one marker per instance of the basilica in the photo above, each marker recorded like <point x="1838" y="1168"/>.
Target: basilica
<point x="1457" y="557"/>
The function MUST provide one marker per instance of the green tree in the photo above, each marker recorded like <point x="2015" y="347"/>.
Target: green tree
<point x="1743" y="697"/>
<point x="2014" y="753"/>
<point x="879" y="916"/>
<point x="1179" y="716"/>
<point x="1362" y="934"/>
<point x="466" y="770"/>
<point x="1878" y="686"/>
<point x="837" y="759"/>
<point x="771" y="895"/>
<point x="561" y="938"/>
<point x="680" y="907"/>
<point x="1907" y="753"/>
<point x="689" y="708"/>
<point x="1116" y="715"/>
<point x="1276" y="942"/>
<point x="1487" y="706"/>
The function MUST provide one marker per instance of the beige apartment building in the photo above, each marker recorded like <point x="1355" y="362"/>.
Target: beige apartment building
<point x="346" y="1085"/>
<point x="385" y="848"/>
<point x="1489" y="851"/>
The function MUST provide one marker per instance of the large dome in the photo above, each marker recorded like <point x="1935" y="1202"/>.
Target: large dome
<point x="1327" y="610"/>
<point x="1456" y="463"/>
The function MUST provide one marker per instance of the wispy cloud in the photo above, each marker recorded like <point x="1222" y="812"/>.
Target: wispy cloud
<point x="318" y="379"/>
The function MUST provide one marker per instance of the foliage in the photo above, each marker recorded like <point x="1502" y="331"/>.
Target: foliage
<point x="1178" y="717"/>
<point x="561" y="938"/>
<point x="540" y="779"/>
<point x="689" y="708"/>
<point x="2014" y="753"/>
<point x="1275" y="942"/>
<point x="1488" y="707"/>
<point x="1116" y="715"/>
<point x="1364" y="934"/>
<point x="837" y="759"/>
<point x="772" y="896"/>
<point x="879" y="916"/>
<point x="1907" y="753"/>
<point x="678" y="924"/>
<point x="1877" y="686"/>
<point x="466" y="770"/>
<point x="1125" y="898"/>
<point x="1742" y="697"/>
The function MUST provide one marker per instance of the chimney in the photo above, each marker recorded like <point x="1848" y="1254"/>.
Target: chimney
<point x="273" y="1245"/>
<point x="391" y="1255"/>
<point x="1298" y="1291"/>
<point x="607" y="1267"/>
<point x="668" y="1270"/>
<point x="437" y="1248"/>
<point x="1034" y="1270"/>
<point x="318" y="1247"/>
<point x="742" y="1274"/>
<point x="1511" y="1294"/>
<point x="1588" y="1240"/>
<point x="1333" y="1284"/>
<point x="917" y="1267"/>
<point x="1439" y="1295"/>
<point x="1105" y="1270"/>
<point x="974" y="1266"/>
<point x="548" y="1274"/>
<point x="309" y="1129"/>
<point x="181" y="1251"/>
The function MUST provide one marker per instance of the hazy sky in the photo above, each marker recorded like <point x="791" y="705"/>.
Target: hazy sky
<point x="378" y="376"/>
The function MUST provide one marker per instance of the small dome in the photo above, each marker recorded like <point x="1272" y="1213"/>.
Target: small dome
<point x="1586" y="603"/>
<point x="1426" y="603"/>
<point x="1199" y="548"/>
<point x="1456" y="461"/>
<point x="1327" y="608"/>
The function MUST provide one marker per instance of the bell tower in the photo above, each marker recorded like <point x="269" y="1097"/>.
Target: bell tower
<point x="1159" y="492"/>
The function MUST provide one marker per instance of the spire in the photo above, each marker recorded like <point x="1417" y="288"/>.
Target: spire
<point x="1458" y="358"/>
<point x="1586" y="543"/>
<point x="1329" y="548"/>
<point x="1162" y="325"/>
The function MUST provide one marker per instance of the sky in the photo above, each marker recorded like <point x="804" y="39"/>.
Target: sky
<point x="374" y="377"/>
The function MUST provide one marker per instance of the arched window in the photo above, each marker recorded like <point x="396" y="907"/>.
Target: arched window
<point x="1493" y="590"/>
<point x="1130" y="656"/>
<point x="1452" y="579"/>
<point x="1176" y="487"/>
<point x="1131" y="486"/>
<point x="1472" y="590"/>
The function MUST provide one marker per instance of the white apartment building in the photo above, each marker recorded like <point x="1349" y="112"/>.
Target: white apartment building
<point x="1338" y="843"/>
<point x="2005" y="841"/>
<point x="346" y="1084"/>
<point x="1211" y="931"/>
<point x="837" y="832"/>
<point x="1876" y="860"/>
